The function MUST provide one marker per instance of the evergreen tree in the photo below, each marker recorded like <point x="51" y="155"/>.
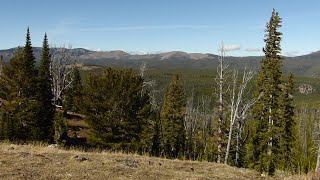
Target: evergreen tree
<point x="29" y="91"/>
<point x="288" y="130"/>
<point x="45" y="95"/>
<point x="156" y="139"/>
<point x="117" y="110"/>
<point x="60" y="128"/>
<point x="172" y="119"/>
<point x="15" y="110"/>
<point x="19" y="88"/>
<point x="27" y="68"/>
<point x="150" y="136"/>
<point x="10" y="126"/>
<point x="267" y="110"/>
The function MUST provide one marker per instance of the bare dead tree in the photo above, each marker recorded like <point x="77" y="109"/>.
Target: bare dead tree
<point x="206" y="123"/>
<point x="62" y="66"/>
<point x="318" y="160"/>
<point x="317" y="170"/>
<point x="238" y="104"/>
<point x="197" y="122"/>
<point x="143" y="69"/>
<point x="304" y="116"/>
<point x="190" y="122"/>
<point x="221" y="84"/>
<point x="150" y="85"/>
<point x="308" y="123"/>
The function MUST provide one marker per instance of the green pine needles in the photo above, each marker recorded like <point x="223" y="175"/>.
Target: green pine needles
<point x="27" y="111"/>
<point x="117" y="109"/>
<point x="172" y="119"/>
<point x="272" y="139"/>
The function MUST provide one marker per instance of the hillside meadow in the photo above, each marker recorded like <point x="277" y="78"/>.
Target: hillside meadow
<point x="42" y="161"/>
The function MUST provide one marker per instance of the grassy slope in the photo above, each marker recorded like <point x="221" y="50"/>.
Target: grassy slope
<point x="41" y="162"/>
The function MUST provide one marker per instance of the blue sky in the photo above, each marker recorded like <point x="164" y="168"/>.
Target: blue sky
<point x="161" y="25"/>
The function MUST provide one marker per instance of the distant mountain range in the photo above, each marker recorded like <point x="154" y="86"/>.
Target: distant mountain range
<point x="306" y="65"/>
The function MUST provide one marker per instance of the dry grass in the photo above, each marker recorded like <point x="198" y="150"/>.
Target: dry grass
<point x="42" y="162"/>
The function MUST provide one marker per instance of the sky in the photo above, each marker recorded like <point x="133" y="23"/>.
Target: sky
<point x="152" y="26"/>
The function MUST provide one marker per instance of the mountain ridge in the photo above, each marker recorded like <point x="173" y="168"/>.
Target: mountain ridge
<point x="304" y="65"/>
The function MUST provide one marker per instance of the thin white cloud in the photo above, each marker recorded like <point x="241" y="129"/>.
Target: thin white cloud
<point x="253" y="49"/>
<point x="232" y="47"/>
<point x="147" y="27"/>
<point x="62" y="27"/>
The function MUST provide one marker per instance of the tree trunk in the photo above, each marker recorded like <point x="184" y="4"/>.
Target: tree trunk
<point x="221" y="121"/>
<point x="269" y="130"/>
<point x="229" y="144"/>
<point x="318" y="160"/>
<point x="221" y="80"/>
<point x="237" y="163"/>
<point x="220" y="135"/>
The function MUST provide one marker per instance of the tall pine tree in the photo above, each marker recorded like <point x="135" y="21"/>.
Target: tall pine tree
<point x="267" y="110"/>
<point x="19" y="88"/>
<point x="172" y="119"/>
<point x="28" y="69"/>
<point x="29" y="106"/>
<point x="45" y="95"/>
<point x="29" y="91"/>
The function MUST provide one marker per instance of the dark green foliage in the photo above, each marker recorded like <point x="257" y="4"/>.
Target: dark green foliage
<point x="27" y="75"/>
<point x="156" y="139"/>
<point x="9" y="126"/>
<point x="288" y="129"/>
<point x="73" y="95"/>
<point x="150" y="136"/>
<point x="26" y="106"/>
<point x="273" y="141"/>
<point x="60" y="127"/>
<point x="117" y="109"/>
<point x="172" y="119"/>
<point x="16" y="82"/>
<point x="267" y="110"/>
<point x="27" y="70"/>
<point x="45" y="96"/>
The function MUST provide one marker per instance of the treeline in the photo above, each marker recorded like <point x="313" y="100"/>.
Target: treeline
<point x="260" y="131"/>
<point x="27" y="110"/>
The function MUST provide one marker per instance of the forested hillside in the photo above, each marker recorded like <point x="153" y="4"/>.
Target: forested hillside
<point x="259" y="116"/>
